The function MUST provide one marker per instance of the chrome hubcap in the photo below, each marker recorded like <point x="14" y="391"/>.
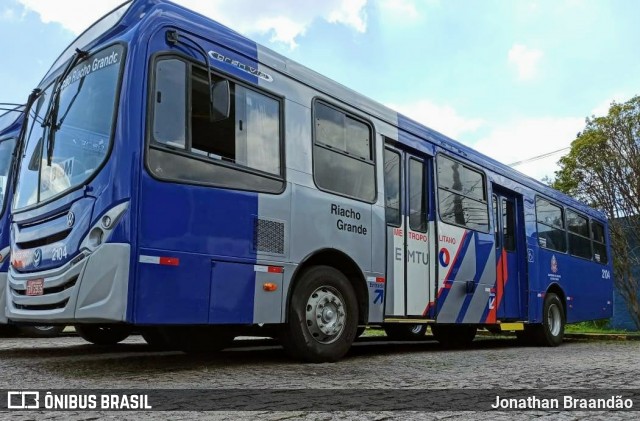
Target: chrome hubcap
<point x="326" y="314"/>
<point x="554" y="320"/>
<point x="416" y="329"/>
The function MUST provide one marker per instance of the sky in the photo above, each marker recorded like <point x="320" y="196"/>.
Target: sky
<point x="512" y="79"/>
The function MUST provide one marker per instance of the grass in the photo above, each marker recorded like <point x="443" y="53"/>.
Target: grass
<point x="599" y="326"/>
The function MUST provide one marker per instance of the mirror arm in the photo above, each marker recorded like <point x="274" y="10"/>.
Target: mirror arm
<point x="173" y="38"/>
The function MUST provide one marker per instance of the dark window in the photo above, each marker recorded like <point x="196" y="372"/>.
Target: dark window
<point x="462" y="195"/>
<point x="417" y="196"/>
<point x="248" y="141"/>
<point x="579" y="242"/>
<point x="599" y="244"/>
<point x="495" y="220"/>
<point x="392" y="187"/>
<point x="343" y="154"/>
<point x="551" y="233"/>
<point x="508" y="225"/>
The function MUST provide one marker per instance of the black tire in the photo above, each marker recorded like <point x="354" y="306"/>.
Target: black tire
<point x="155" y="339"/>
<point x="41" y="331"/>
<point x="405" y="332"/>
<point x="197" y="339"/>
<point x="8" y="331"/>
<point x="454" y="336"/>
<point x="551" y="331"/>
<point x="322" y="316"/>
<point x="104" y="335"/>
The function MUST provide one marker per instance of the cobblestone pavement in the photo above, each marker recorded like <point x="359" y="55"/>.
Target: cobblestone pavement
<point x="70" y="363"/>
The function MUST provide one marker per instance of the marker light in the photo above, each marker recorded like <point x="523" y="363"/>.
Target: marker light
<point x="269" y="286"/>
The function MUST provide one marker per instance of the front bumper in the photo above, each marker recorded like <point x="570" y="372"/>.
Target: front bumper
<point x="3" y="297"/>
<point x="91" y="290"/>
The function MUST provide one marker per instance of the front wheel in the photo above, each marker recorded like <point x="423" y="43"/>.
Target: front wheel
<point x="405" y="332"/>
<point x="103" y="335"/>
<point x="551" y="332"/>
<point x="41" y="331"/>
<point x="323" y="316"/>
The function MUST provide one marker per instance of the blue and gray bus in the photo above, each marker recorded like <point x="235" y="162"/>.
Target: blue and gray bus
<point x="11" y="118"/>
<point x="194" y="185"/>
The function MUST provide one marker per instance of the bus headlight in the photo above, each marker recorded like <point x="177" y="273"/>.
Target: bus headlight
<point x="101" y="230"/>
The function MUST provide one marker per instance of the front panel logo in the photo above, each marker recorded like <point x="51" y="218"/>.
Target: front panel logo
<point x="71" y="219"/>
<point x="554" y="264"/>
<point x="37" y="258"/>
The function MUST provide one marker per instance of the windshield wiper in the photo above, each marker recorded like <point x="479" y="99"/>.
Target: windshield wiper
<point x="51" y="117"/>
<point x="17" y="151"/>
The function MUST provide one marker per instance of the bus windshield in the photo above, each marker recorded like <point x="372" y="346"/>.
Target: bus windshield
<point x="83" y="128"/>
<point x="6" y="151"/>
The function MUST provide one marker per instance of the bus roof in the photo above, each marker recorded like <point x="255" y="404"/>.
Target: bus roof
<point x="245" y="46"/>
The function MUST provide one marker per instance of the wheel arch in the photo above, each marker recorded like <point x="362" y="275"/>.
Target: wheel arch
<point x="339" y="260"/>
<point x="554" y="288"/>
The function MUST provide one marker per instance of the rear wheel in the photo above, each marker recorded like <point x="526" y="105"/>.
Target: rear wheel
<point x="103" y="335"/>
<point x="41" y="331"/>
<point x="323" y="316"/>
<point x="405" y="332"/>
<point x="454" y="336"/>
<point x="551" y="331"/>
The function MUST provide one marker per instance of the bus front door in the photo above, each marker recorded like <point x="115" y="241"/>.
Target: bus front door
<point x="406" y="178"/>
<point x="510" y="250"/>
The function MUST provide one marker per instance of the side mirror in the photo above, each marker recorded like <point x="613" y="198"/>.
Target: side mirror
<point x="221" y="100"/>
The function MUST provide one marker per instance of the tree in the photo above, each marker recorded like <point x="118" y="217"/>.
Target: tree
<point x="602" y="169"/>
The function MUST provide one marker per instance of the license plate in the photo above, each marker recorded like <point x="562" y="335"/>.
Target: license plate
<point x="35" y="287"/>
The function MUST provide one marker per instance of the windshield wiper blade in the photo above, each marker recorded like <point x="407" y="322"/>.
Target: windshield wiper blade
<point x="51" y="118"/>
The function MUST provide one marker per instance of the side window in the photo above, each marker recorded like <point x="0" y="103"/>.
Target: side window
<point x="579" y="242"/>
<point x="170" y="99"/>
<point x="392" y="187"/>
<point x="509" y="225"/>
<point x="551" y="233"/>
<point x="599" y="242"/>
<point x="417" y="196"/>
<point x="462" y="195"/>
<point x="242" y="151"/>
<point x="343" y="154"/>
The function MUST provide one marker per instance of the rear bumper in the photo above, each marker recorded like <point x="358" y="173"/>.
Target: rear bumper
<point x="92" y="290"/>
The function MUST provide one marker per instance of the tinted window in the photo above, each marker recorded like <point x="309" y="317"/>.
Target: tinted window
<point x="453" y="175"/>
<point x="509" y="225"/>
<point x="417" y="202"/>
<point x="170" y="113"/>
<point x="461" y="195"/>
<point x="459" y="210"/>
<point x="342" y="132"/>
<point x="249" y="139"/>
<point x="392" y="187"/>
<point x="577" y="224"/>
<point x="549" y="214"/>
<point x="599" y="246"/>
<point x="551" y="233"/>
<point x="6" y="151"/>
<point x="343" y="154"/>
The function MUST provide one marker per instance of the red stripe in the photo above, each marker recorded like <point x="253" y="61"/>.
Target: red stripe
<point x="455" y="258"/>
<point x="170" y="261"/>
